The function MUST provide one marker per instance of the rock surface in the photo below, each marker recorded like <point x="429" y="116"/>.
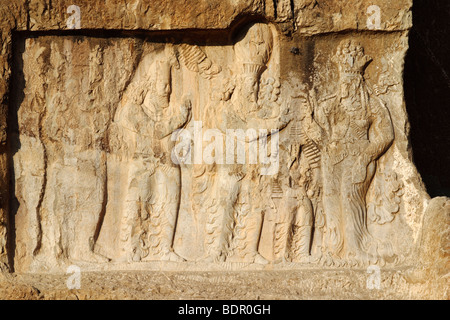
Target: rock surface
<point x="238" y="137"/>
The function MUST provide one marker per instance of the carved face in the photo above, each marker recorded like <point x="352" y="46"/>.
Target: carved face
<point x="250" y="87"/>
<point x="350" y="86"/>
<point x="163" y="88"/>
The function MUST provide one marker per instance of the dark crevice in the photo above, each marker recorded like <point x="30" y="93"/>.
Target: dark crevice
<point x="275" y="10"/>
<point x="292" y="11"/>
<point x="427" y="93"/>
<point x="104" y="203"/>
<point x="16" y="97"/>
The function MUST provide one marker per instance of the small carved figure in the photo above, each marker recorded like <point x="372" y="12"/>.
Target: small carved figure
<point x="302" y="189"/>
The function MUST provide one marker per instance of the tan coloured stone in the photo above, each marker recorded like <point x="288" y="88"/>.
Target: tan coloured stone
<point x="212" y="136"/>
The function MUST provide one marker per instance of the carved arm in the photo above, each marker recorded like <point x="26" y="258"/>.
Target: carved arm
<point x="165" y="128"/>
<point x="381" y="132"/>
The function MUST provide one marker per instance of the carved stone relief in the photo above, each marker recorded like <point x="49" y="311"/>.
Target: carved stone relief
<point x="129" y="151"/>
<point x="215" y="136"/>
<point x="230" y="135"/>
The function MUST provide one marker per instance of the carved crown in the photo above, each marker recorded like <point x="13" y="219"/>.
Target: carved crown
<point x="254" y="47"/>
<point x="351" y="59"/>
<point x="163" y="70"/>
<point x="253" y="68"/>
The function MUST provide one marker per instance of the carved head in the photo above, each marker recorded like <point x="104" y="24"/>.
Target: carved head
<point x="351" y="60"/>
<point x="253" y="51"/>
<point x="254" y="45"/>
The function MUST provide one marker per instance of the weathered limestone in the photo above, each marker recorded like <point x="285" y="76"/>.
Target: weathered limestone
<point x="210" y="135"/>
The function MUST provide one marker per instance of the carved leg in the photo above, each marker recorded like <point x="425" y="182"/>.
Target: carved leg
<point x="247" y="230"/>
<point x="318" y="235"/>
<point x="280" y="241"/>
<point x="65" y="201"/>
<point x="166" y="184"/>
<point x="33" y="187"/>
<point x="360" y="246"/>
<point x="254" y="235"/>
<point x="91" y="204"/>
<point x="130" y="215"/>
<point x="334" y="238"/>
<point x="205" y="196"/>
<point x="51" y="251"/>
<point x="219" y="228"/>
<point x="301" y="242"/>
<point x="219" y="232"/>
<point x="302" y="231"/>
<point x="357" y="236"/>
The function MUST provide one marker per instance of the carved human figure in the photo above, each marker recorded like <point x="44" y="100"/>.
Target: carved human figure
<point x="305" y="178"/>
<point x="296" y="211"/>
<point x="32" y="176"/>
<point x="92" y="158"/>
<point x="302" y="220"/>
<point x="353" y="129"/>
<point x="282" y="216"/>
<point x="75" y="152"/>
<point x="234" y="215"/>
<point x="146" y="118"/>
<point x="58" y="154"/>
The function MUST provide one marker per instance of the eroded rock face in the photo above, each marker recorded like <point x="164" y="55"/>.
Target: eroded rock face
<point x="271" y="134"/>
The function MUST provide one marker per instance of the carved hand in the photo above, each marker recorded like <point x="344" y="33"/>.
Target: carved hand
<point x="186" y="108"/>
<point x="286" y="115"/>
<point x="359" y="171"/>
<point x="380" y="89"/>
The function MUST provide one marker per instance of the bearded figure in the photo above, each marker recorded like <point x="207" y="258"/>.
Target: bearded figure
<point x="235" y="216"/>
<point x="145" y="121"/>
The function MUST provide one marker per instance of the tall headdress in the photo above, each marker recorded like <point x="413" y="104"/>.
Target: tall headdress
<point x="350" y="59"/>
<point x="163" y="71"/>
<point x="254" y="48"/>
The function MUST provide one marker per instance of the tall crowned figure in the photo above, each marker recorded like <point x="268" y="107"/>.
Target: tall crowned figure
<point x="353" y="129"/>
<point x="234" y="216"/>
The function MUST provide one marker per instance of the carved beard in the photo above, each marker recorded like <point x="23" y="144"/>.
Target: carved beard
<point x="162" y="100"/>
<point x="249" y="91"/>
<point x="350" y="93"/>
<point x="154" y="106"/>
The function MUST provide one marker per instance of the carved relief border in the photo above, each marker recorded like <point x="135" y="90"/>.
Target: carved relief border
<point x="150" y="15"/>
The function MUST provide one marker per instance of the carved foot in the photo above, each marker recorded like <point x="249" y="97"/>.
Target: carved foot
<point x="281" y="261"/>
<point x="93" y="257"/>
<point x="331" y="260"/>
<point x="417" y="275"/>
<point x="315" y="258"/>
<point x="172" y="256"/>
<point x="302" y="259"/>
<point x="129" y="257"/>
<point x="255" y="258"/>
<point x="41" y="262"/>
<point x="378" y="252"/>
<point x="259" y="259"/>
<point x="213" y="258"/>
